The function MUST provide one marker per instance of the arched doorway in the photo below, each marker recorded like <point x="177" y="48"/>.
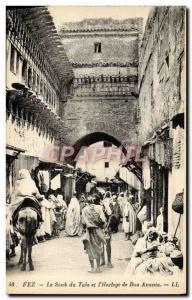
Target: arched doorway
<point x="98" y="155"/>
<point x="93" y="138"/>
<point x="109" y="165"/>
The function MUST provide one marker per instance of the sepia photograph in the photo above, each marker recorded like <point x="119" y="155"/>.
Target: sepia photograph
<point x="96" y="150"/>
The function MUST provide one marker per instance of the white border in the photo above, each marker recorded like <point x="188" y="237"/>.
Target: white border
<point x="4" y="3"/>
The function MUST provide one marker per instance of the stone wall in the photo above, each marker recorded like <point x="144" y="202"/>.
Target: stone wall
<point x="161" y="69"/>
<point x="32" y="139"/>
<point x="110" y="70"/>
<point x="105" y="100"/>
<point x="113" y="117"/>
<point x="38" y="74"/>
<point x="119" y="49"/>
<point x="101" y="25"/>
<point x="162" y="96"/>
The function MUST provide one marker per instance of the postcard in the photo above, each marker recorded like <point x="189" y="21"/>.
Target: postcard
<point x="96" y="150"/>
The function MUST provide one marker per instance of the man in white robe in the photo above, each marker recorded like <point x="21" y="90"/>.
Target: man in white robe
<point x="129" y="220"/>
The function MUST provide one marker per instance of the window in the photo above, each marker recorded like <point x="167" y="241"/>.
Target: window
<point x="54" y="100"/>
<point x="41" y="88"/>
<point x="34" y="80"/>
<point x="97" y="47"/>
<point x="30" y="78"/>
<point x="13" y="59"/>
<point x="24" y="71"/>
<point x="166" y="71"/>
<point x="167" y="60"/>
<point x="160" y="45"/>
<point x="38" y="84"/>
<point x="160" y="54"/>
<point x="18" y="61"/>
<point x="106" y="164"/>
<point x="45" y="93"/>
<point x="107" y="144"/>
<point x="152" y="98"/>
<point x="151" y="91"/>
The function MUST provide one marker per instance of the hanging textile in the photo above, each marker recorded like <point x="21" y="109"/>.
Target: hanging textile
<point x="160" y="153"/>
<point x="56" y="182"/>
<point x="130" y="178"/>
<point x="88" y="187"/>
<point x="178" y="148"/>
<point x="43" y="180"/>
<point x="168" y="150"/>
<point x="146" y="174"/>
<point x="151" y="152"/>
<point x="157" y="153"/>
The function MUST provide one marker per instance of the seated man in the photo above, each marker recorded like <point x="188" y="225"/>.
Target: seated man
<point x="148" y="256"/>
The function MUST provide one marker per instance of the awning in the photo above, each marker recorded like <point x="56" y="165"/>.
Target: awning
<point x="159" y="132"/>
<point x="13" y="151"/>
<point x="55" y="166"/>
<point x="135" y="169"/>
<point x="130" y="178"/>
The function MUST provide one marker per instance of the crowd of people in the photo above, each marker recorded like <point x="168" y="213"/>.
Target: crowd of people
<point x="94" y="217"/>
<point x="53" y="212"/>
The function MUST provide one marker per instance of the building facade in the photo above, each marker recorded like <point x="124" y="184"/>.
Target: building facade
<point x="162" y="103"/>
<point x="104" y="54"/>
<point x="100" y="161"/>
<point x="109" y="84"/>
<point x="38" y="78"/>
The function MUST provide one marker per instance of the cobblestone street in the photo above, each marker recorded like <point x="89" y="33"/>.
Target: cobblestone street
<point x="65" y="256"/>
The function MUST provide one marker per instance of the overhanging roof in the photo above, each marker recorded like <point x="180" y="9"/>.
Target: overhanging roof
<point x="41" y="25"/>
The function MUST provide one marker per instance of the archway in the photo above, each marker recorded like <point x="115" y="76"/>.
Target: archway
<point x="98" y="155"/>
<point x="93" y="138"/>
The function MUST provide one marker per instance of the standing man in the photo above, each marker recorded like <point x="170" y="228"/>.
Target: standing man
<point x="106" y="205"/>
<point x="73" y="220"/>
<point x="129" y="219"/>
<point x="116" y="214"/>
<point x="94" y="220"/>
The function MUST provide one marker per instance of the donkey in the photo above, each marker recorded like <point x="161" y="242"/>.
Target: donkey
<point x="27" y="218"/>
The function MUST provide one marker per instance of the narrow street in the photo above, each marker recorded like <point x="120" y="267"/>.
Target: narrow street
<point x="65" y="256"/>
<point x="96" y="136"/>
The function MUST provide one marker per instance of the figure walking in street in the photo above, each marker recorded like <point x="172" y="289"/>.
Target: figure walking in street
<point x="45" y="230"/>
<point x="115" y="216"/>
<point x="27" y="215"/>
<point x="94" y="220"/>
<point x="107" y="231"/>
<point x="52" y="200"/>
<point x="106" y="202"/>
<point x="129" y="219"/>
<point x="73" y="219"/>
<point x="62" y="208"/>
<point x="12" y="239"/>
<point x="120" y="199"/>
